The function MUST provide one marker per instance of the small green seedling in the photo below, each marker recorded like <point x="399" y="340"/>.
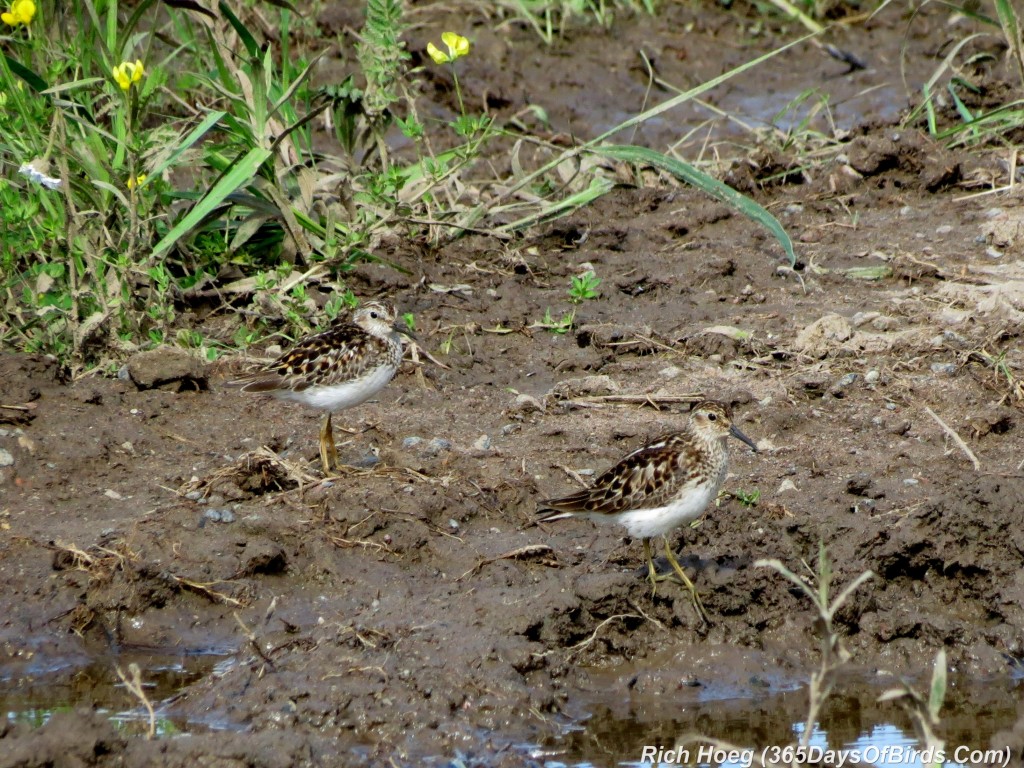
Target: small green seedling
<point x="584" y="287"/>
<point x="748" y="499"/>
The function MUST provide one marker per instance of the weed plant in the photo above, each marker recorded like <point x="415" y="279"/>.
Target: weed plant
<point x="125" y="201"/>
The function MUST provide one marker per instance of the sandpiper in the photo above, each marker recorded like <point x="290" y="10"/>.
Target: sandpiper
<point x="339" y="368"/>
<point x="660" y="486"/>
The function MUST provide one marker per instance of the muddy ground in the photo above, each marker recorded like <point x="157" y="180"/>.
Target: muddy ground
<point x="409" y="608"/>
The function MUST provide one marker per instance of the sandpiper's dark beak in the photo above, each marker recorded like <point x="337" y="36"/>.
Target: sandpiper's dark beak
<point x="405" y="331"/>
<point x="735" y="432"/>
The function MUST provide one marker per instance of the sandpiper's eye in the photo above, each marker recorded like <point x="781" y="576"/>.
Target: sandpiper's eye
<point x="712" y="417"/>
<point x="374" y="315"/>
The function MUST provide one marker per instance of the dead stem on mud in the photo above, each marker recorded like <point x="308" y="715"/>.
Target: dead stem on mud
<point x="100" y="563"/>
<point x="543" y="552"/>
<point x="206" y="590"/>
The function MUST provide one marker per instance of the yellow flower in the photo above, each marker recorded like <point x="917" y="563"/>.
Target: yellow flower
<point x="127" y="73"/>
<point x="137" y="181"/>
<point x="21" y="12"/>
<point x="457" y="46"/>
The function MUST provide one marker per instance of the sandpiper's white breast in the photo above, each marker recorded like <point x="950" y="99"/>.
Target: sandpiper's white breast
<point x="345" y="394"/>
<point x="657" y="521"/>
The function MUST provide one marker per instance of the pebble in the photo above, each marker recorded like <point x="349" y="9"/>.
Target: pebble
<point x="6" y="458"/>
<point x="453" y="524"/>
<point x="847" y="380"/>
<point x="194" y="495"/>
<point x="945" y="369"/>
<point x="872" y="376"/>
<point x="787" y="485"/>
<point x="438" y="444"/>
<point x="670" y="372"/>
<point x="111" y="494"/>
<point x="411" y="442"/>
<point x="482" y="443"/>
<point x="220" y="515"/>
<point x="993" y="253"/>
<point x="911" y="481"/>
<point x="122" y="373"/>
<point x="945" y="229"/>
<point x="527" y="404"/>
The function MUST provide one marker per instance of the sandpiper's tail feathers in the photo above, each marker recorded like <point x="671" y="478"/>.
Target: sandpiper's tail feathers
<point x="563" y="507"/>
<point x="256" y="381"/>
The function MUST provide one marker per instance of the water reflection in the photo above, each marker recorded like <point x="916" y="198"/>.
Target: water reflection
<point x="881" y="733"/>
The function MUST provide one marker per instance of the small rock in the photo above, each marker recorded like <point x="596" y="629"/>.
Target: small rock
<point x="993" y="253"/>
<point x="194" y="495"/>
<point x="823" y="335"/>
<point x="111" y="494"/>
<point x="526" y="404"/>
<point x="453" y="524"/>
<point x="585" y="386"/>
<point x="6" y="459"/>
<point x="438" y="444"/>
<point x="167" y="368"/>
<point x="787" y="485"/>
<point x="482" y="443"/>
<point x="944" y="229"/>
<point x="944" y="369"/>
<point x="884" y="323"/>
<point x="366" y="461"/>
<point x="847" y="380"/>
<point x="861" y="318"/>
<point x="911" y="481"/>
<point x="412" y="442"/>
<point x="670" y="372"/>
<point x="220" y="515"/>
<point x="871" y="377"/>
<point x="122" y="373"/>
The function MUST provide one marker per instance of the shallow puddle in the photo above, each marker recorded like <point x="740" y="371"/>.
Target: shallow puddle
<point x="653" y="733"/>
<point x="36" y="693"/>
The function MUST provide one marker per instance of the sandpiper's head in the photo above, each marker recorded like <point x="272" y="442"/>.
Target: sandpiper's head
<point x="376" y="317"/>
<point x="713" y="420"/>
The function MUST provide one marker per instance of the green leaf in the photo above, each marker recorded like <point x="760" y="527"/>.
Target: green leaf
<point x="240" y="173"/>
<point x="707" y="184"/>
<point x="35" y="82"/>
<point x="937" y="692"/>
<point x="243" y="33"/>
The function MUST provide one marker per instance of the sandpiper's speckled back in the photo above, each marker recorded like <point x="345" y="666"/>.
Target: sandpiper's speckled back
<point x="345" y="352"/>
<point x="661" y="471"/>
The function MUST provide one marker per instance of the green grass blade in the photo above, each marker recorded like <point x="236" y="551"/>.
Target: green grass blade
<point x="34" y="81"/>
<point x="244" y="34"/>
<point x="239" y="174"/>
<point x="706" y="184"/>
<point x="598" y="187"/>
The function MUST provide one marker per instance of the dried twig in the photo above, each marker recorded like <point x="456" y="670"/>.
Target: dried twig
<point x="955" y="437"/>
<point x="254" y="642"/>
<point x="644" y="399"/>
<point x="530" y="550"/>
<point x="205" y="590"/>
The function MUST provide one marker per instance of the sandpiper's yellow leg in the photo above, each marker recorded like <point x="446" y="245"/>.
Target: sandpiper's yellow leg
<point x="697" y="604"/>
<point x="328" y="450"/>
<point x="652" y="573"/>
